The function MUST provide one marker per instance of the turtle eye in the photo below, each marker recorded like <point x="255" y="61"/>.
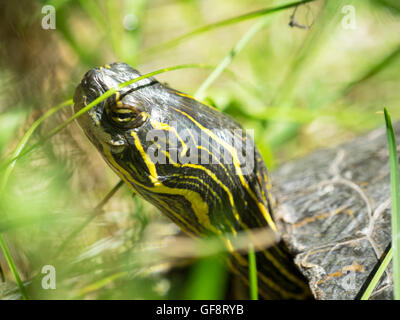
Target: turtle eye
<point x="126" y="116"/>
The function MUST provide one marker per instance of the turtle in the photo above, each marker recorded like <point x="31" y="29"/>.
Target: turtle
<point x="202" y="171"/>
<point x="192" y="162"/>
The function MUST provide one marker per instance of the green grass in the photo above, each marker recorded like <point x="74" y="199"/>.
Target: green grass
<point x="200" y="93"/>
<point x="13" y="268"/>
<point x="253" y="274"/>
<point x="395" y="195"/>
<point x="96" y="211"/>
<point x="207" y="280"/>
<point x="393" y="253"/>
<point x="377" y="276"/>
<point x="237" y="19"/>
<point x="4" y="179"/>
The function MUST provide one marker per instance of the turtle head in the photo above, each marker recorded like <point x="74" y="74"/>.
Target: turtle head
<point x="127" y="109"/>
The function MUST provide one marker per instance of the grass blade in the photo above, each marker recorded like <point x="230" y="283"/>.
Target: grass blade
<point x="395" y="195"/>
<point x="219" y="24"/>
<point x="394" y="252"/>
<point x="228" y="59"/>
<point x="386" y="61"/>
<point x="253" y="274"/>
<point x="25" y="139"/>
<point x="377" y="276"/>
<point x="207" y="280"/>
<point x="90" y="217"/>
<point x="13" y="268"/>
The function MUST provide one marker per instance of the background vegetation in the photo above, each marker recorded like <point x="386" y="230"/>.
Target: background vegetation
<point x="300" y="88"/>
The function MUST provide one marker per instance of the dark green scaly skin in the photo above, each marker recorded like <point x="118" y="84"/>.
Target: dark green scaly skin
<point x="202" y="199"/>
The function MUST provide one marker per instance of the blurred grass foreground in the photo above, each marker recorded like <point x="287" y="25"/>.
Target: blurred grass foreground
<point x="303" y="78"/>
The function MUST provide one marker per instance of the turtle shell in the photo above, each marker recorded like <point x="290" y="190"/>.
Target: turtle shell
<point x="334" y="212"/>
